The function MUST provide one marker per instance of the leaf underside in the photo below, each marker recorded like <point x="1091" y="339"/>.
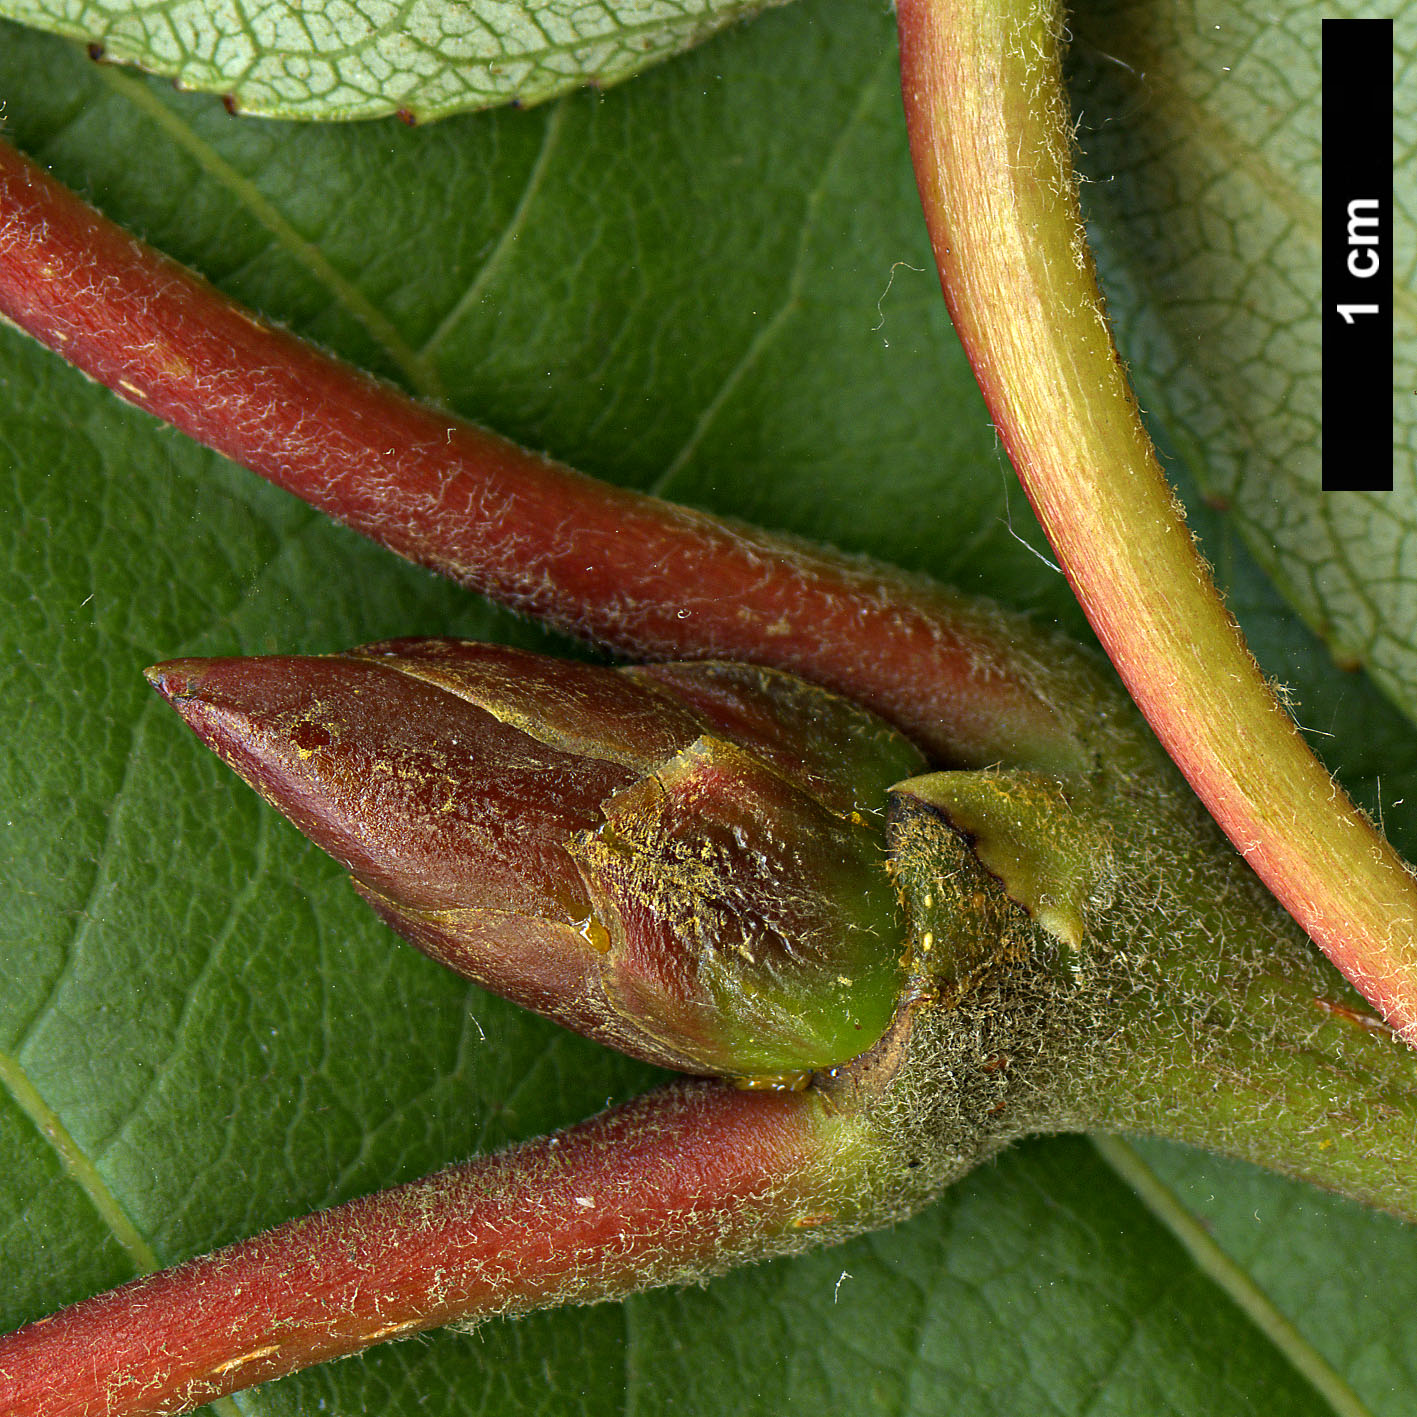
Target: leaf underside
<point x="1200" y="132"/>
<point x="711" y="282"/>
<point x="421" y="59"/>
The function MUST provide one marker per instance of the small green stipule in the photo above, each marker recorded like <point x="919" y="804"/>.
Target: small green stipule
<point x="1050" y="937"/>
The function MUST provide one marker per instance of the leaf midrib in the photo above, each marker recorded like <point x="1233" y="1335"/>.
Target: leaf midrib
<point x="419" y="375"/>
<point x="1212" y="1261"/>
<point x="82" y="1172"/>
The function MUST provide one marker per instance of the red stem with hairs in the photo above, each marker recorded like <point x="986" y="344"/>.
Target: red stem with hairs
<point x="622" y="569"/>
<point x="672" y="1185"/>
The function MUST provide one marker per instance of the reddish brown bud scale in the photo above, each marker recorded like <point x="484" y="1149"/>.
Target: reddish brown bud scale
<point x="758" y="927"/>
<point x="400" y="782"/>
<point x="844" y="756"/>
<point x="618" y="800"/>
<point x="582" y="840"/>
<point x="575" y="708"/>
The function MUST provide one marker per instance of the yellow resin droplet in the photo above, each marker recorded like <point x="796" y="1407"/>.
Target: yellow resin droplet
<point x="594" y="934"/>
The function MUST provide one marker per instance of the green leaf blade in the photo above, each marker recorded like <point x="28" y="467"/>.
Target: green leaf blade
<point x="197" y="994"/>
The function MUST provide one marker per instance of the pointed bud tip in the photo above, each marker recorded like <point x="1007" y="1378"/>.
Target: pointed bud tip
<point x="176" y="679"/>
<point x="212" y="698"/>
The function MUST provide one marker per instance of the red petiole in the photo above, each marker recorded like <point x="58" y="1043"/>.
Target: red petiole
<point x="624" y="570"/>
<point x="718" y="1172"/>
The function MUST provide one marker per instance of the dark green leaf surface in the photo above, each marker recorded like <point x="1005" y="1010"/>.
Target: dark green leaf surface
<point x="710" y="282"/>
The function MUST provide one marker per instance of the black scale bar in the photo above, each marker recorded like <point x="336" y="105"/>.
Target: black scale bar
<point x="1357" y="256"/>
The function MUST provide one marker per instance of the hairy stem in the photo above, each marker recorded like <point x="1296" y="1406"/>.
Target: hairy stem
<point x="675" y="1186"/>
<point x="992" y="148"/>
<point x="1285" y="1070"/>
<point x="970" y="684"/>
<point x="1182" y="1003"/>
